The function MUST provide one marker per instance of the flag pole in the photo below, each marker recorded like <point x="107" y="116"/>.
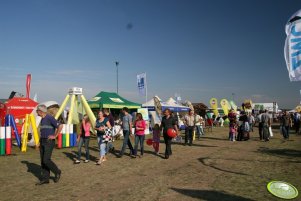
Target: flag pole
<point x="145" y="88"/>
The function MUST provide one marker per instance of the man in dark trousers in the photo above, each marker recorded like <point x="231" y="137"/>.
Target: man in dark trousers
<point x="189" y="127"/>
<point x="266" y="123"/>
<point x="260" y="125"/>
<point x="49" y="130"/>
<point x="168" y="122"/>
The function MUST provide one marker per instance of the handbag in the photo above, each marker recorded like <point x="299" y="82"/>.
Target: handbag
<point x="107" y="137"/>
<point x="270" y="131"/>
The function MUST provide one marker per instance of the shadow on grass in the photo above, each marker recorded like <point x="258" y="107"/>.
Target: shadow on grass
<point x="203" y="161"/>
<point x="33" y="168"/>
<point x="94" y="148"/>
<point x="193" y="144"/>
<point x="214" y="138"/>
<point x="73" y="156"/>
<point x="210" y="195"/>
<point x="153" y="153"/>
<point x="202" y="145"/>
<point x="290" y="153"/>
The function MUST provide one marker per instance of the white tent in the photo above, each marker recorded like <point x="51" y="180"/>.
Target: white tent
<point x="169" y="104"/>
<point x="181" y="108"/>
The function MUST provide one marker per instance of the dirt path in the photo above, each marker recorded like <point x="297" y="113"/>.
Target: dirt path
<point x="212" y="169"/>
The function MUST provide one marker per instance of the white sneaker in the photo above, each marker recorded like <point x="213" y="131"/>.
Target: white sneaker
<point x="86" y="161"/>
<point x="77" y="162"/>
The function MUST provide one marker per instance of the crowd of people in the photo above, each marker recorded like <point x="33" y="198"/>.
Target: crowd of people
<point x="240" y="127"/>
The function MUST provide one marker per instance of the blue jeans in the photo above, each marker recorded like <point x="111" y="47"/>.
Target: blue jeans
<point x="139" y="138"/>
<point x="102" y="146"/>
<point x="251" y="126"/>
<point x="199" y="131"/>
<point x="82" y="141"/>
<point x="109" y="146"/>
<point x="126" y="141"/>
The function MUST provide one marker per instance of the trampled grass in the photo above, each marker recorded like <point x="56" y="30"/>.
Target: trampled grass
<point x="213" y="169"/>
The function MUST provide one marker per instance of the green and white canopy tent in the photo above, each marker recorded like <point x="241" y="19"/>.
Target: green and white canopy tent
<point x="111" y="100"/>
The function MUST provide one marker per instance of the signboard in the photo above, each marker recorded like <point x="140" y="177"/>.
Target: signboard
<point x="75" y="91"/>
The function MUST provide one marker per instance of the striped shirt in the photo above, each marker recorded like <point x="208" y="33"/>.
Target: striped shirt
<point x="48" y="126"/>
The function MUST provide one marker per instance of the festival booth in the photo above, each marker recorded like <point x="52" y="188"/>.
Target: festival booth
<point x="175" y="107"/>
<point x="156" y="106"/>
<point x="111" y="101"/>
<point x="200" y="108"/>
<point x="169" y="104"/>
<point x="14" y="113"/>
<point x="18" y="107"/>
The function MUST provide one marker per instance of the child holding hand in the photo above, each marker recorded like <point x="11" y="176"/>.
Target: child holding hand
<point x="156" y="138"/>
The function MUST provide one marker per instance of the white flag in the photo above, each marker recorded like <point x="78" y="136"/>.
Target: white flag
<point x="141" y="83"/>
<point x="35" y="98"/>
<point x="292" y="48"/>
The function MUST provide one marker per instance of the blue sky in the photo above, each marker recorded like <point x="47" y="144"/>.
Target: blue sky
<point x="197" y="48"/>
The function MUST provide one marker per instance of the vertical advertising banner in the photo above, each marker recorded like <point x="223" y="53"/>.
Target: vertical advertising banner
<point x="141" y="83"/>
<point x="292" y="47"/>
<point x="213" y="104"/>
<point x="28" y="80"/>
<point x="225" y="106"/>
<point x="233" y="105"/>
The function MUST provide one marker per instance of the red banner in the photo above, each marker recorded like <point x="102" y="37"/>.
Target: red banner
<point x="28" y="80"/>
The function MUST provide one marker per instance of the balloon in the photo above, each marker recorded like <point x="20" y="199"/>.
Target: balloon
<point x="171" y="132"/>
<point x="149" y="142"/>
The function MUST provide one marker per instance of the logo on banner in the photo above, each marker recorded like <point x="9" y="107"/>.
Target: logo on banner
<point x="141" y="83"/>
<point x="292" y="48"/>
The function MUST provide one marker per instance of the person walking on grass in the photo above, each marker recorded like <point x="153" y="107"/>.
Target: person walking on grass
<point x="168" y="122"/>
<point x="251" y="121"/>
<point x="266" y="123"/>
<point x="139" y="134"/>
<point x="260" y="125"/>
<point x="286" y="123"/>
<point x="233" y="131"/>
<point x="189" y="127"/>
<point x="107" y="114"/>
<point x="156" y="138"/>
<point x="199" y="129"/>
<point x="297" y="122"/>
<point x="101" y="124"/>
<point x="84" y="138"/>
<point x="49" y="130"/>
<point x="127" y="131"/>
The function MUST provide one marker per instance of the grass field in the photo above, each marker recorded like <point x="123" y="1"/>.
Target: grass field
<point x="213" y="169"/>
